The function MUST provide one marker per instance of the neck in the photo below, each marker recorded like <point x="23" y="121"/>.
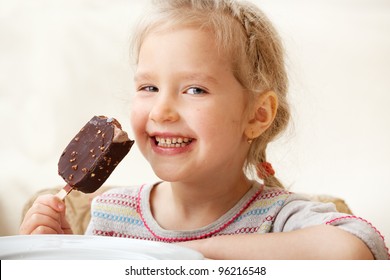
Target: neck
<point x="196" y="205"/>
<point x="217" y="195"/>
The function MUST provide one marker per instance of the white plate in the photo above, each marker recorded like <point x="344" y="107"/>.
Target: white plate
<point x="79" y="247"/>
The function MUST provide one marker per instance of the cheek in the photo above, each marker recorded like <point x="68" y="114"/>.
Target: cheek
<point x="219" y="127"/>
<point x="227" y="118"/>
<point x="138" y="119"/>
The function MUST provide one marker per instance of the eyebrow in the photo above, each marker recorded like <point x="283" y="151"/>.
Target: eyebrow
<point x="142" y="76"/>
<point x="197" y="76"/>
<point x="200" y="76"/>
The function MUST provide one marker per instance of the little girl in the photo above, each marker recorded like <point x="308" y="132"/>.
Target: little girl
<point x="210" y="95"/>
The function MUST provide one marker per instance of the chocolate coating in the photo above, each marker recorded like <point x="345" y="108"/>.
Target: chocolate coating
<point x="92" y="156"/>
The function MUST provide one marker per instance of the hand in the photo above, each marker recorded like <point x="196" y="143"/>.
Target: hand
<point x="46" y="216"/>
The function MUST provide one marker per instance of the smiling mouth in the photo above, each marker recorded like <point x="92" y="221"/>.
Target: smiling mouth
<point x="172" y="142"/>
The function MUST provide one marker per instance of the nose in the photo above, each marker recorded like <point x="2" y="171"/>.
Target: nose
<point x="164" y="109"/>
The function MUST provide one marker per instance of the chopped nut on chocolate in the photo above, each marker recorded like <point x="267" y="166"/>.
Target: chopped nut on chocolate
<point x="94" y="155"/>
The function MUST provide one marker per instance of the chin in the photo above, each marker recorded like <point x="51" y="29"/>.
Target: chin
<point x="167" y="176"/>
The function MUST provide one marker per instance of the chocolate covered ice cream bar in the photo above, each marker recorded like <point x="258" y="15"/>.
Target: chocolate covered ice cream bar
<point x="93" y="154"/>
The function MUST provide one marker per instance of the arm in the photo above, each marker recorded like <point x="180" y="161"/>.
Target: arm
<point x="46" y="216"/>
<point x="316" y="242"/>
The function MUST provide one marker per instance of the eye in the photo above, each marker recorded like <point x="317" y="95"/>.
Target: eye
<point x="195" y="91"/>
<point x="148" y="88"/>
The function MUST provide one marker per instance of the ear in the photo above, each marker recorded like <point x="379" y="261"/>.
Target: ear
<point x="262" y="115"/>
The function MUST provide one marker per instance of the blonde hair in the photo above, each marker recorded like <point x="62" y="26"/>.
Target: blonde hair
<point x="242" y="31"/>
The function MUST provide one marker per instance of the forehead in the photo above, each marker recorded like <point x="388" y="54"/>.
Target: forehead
<point x="223" y="31"/>
<point x="182" y="48"/>
<point x="190" y="36"/>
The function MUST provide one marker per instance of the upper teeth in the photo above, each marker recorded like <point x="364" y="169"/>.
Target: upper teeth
<point x="172" y="141"/>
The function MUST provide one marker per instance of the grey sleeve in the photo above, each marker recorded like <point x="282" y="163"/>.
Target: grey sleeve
<point x="299" y="212"/>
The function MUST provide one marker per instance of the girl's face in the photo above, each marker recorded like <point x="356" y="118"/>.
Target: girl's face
<point x="188" y="113"/>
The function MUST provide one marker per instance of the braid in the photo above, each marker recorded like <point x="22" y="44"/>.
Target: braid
<point x="270" y="179"/>
<point x="268" y="73"/>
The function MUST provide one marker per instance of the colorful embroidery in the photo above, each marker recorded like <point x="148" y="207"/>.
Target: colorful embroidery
<point x="120" y="212"/>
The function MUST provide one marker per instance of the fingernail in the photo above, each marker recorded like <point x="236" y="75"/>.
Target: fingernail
<point x="60" y="206"/>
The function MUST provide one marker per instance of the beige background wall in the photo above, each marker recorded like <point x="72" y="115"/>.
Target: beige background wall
<point x="63" y="61"/>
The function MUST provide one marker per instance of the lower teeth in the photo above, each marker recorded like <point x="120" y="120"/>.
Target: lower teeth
<point x="177" y="145"/>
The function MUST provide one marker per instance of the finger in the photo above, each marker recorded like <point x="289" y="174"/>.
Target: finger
<point x="42" y="209"/>
<point x="52" y="201"/>
<point x="40" y="214"/>
<point x="37" y="220"/>
<point x="44" y="230"/>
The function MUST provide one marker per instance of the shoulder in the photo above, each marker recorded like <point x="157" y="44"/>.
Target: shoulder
<point x="272" y="192"/>
<point x="272" y="197"/>
<point x="261" y="209"/>
<point x="299" y="211"/>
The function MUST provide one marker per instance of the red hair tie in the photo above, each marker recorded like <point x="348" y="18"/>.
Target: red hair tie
<point x="265" y="170"/>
